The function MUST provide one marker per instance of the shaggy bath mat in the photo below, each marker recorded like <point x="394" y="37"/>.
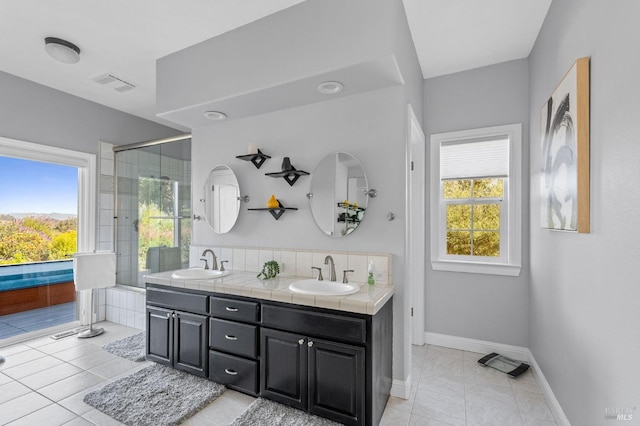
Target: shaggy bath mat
<point x="156" y="395"/>
<point x="263" y="412"/>
<point x="132" y="347"/>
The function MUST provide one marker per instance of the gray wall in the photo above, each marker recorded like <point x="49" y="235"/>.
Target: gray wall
<point x="372" y="126"/>
<point x="369" y="126"/>
<point x="585" y="292"/>
<point x="34" y="113"/>
<point x="476" y="306"/>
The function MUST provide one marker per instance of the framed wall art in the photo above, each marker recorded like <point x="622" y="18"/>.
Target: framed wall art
<point x="565" y="153"/>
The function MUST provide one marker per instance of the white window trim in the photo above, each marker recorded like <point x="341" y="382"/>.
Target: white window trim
<point x="510" y="266"/>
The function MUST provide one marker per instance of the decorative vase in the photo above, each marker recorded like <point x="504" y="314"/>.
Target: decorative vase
<point x="272" y="203"/>
<point x="286" y="164"/>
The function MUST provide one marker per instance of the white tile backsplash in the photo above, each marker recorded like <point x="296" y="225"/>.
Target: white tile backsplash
<point x="299" y="262"/>
<point x="287" y="262"/>
<point x="238" y="261"/>
<point x="252" y="261"/>
<point x="304" y="262"/>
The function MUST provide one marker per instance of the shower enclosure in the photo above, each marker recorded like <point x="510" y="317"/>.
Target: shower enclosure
<point x="152" y="208"/>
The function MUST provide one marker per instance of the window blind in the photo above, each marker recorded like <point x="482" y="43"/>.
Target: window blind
<point x="477" y="158"/>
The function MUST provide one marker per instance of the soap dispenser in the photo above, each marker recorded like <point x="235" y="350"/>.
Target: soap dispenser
<point x="370" y="279"/>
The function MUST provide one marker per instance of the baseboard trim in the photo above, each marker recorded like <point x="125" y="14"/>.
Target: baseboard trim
<point x="556" y="409"/>
<point x="401" y="388"/>
<point x="473" y="345"/>
<point x="515" y="352"/>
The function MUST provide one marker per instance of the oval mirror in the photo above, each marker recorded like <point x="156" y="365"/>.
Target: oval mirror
<point x="221" y="199"/>
<point x="338" y="194"/>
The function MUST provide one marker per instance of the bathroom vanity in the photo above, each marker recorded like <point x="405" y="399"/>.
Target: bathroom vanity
<point x="328" y="355"/>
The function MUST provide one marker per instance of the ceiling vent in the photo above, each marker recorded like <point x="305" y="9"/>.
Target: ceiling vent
<point x="116" y="83"/>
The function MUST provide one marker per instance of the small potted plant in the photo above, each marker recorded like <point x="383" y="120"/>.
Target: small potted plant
<point x="270" y="270"/>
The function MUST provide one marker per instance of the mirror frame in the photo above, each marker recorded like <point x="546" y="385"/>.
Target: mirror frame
<point x="229" y="181"/>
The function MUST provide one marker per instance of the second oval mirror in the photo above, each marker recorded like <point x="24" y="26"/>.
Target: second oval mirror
<point x="221" y="199"/>
<point x="338" y="194"/>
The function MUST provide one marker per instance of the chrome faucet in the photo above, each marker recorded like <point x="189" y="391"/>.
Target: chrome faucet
<point x="332" y="267"/>
<point x="214" y="263"/>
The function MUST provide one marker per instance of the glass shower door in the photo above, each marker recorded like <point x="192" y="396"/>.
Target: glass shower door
<point x="153" y="210"/>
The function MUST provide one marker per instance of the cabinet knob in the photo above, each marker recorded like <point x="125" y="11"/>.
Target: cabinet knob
<point x="231" y="309"/>
<point x="301" y="341"/>
<point x="174" y="315"/>
<point x="231" y="372"/>
<point x="229" y="337"/>
<point x="310" y="343"/>
<point x="168" y="314"/>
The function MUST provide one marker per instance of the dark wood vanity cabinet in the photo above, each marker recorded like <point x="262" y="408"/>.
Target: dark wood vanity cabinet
<point x="318" y="376"/>
<point x="330" y="363"/>
<point x="233" y="343"/>
<point x="176" y="337"/>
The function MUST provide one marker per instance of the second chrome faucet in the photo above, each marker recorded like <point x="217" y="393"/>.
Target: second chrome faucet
<point x="332" y="267"/>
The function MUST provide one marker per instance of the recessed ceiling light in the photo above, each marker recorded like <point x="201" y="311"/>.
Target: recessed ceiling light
<point x="62" y="50"/>
<point x="215" y="115"/>
<point x="330" y="87"/>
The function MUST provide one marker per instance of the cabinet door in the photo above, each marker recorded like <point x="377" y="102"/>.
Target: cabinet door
<point x="337" y="381"/>
<point x="190" y="343"/>
<point x="160" y="335"/>
<point x="283" y="367"/>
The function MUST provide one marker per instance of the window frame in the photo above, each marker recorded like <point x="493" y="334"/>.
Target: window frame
<point x="510" y="261"/>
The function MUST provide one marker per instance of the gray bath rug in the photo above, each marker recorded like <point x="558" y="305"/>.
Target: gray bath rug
<point x="154" y="396"/>
<point x="263" y="412"/>
<point x="132" y="347"/>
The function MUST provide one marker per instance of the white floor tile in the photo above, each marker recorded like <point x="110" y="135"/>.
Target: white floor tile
<point x="22" y="406"/>
<point x="32" y="367"/>
<point x="51" y="415"/>
<point x="79" y="421"/>
<point x="50" y="376"/>
<point x="70" y="385"/>
<point x="13" y="360"/>
<point x="12" y="390"/>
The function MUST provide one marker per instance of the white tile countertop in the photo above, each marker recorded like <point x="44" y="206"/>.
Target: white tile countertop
<point x="368" y="300"/>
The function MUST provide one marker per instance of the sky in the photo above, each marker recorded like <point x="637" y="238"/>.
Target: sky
<point x="33" y="187"/>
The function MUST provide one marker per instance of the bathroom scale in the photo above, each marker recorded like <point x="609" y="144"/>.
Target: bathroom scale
<point x="502" y="363"/>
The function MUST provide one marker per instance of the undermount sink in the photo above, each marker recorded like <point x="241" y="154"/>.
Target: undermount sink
<point x="198" y="274"/>
<point x="323" y="288"/>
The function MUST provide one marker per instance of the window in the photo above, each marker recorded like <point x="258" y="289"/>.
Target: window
<point x="476" y="199"/>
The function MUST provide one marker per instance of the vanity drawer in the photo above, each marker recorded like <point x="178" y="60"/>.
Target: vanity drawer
<point x="234" y="372"/>
<point x="238" y="310"/>
<point x="180" y="300"/>
<point x="314" y="323"/>
<point x="233" y="337"/>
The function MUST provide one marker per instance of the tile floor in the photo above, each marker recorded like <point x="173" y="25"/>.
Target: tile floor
<point x="451" y="388"/>
<point x="43" y="381"/>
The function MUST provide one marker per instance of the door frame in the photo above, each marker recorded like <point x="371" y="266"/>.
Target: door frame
<point x="415" y="225"/>
<point x="87" y="186"/>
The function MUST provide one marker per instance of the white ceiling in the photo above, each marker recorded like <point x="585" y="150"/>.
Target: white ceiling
<point x="125" y="37"/>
